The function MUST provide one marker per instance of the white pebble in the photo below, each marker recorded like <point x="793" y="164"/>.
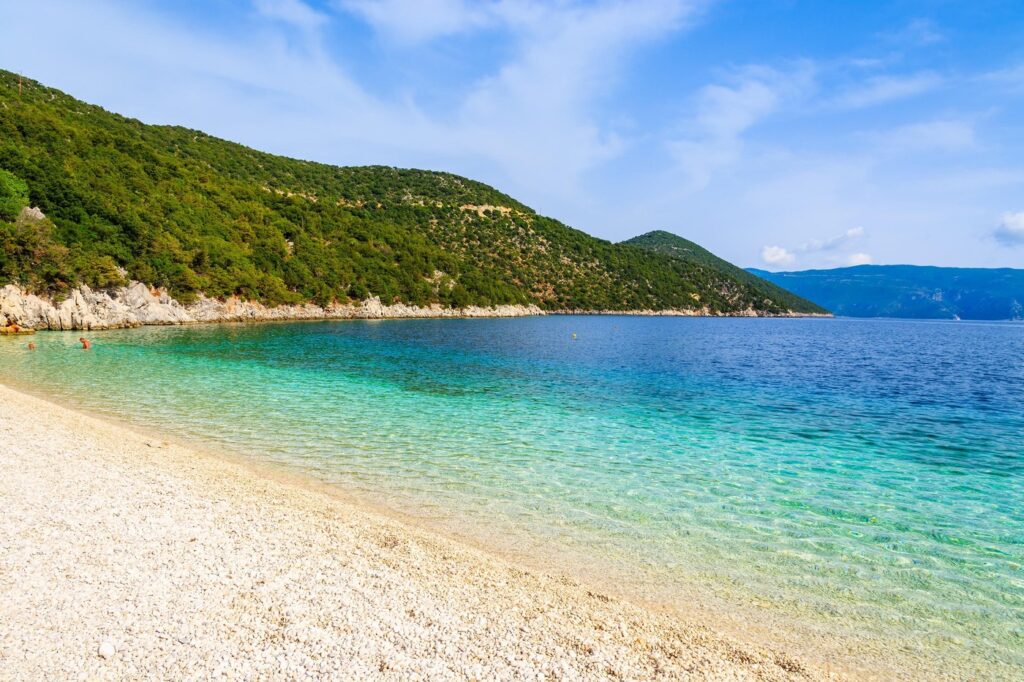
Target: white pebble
<point x="107" y="649"/>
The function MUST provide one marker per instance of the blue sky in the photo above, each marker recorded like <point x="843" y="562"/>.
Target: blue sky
<point x="778" y="133"/>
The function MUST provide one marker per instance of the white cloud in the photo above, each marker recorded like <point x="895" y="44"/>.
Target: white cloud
<point x="832" y="243"/>
<point x="883" y="89"/>
<point x="1010" y="231"/>
<point x="724" y="112"/>
<point x="917" y="33"/>
<point x="777" y="256"/>
<point x="942" y="135"/>
<point x="868" y="62"/>
<point x="781" y="256"/>
<point x="535" y="115"/>
<point x="415" y="21"/>
<point x="294" y="12"/>
<point x="1010" y="78"/>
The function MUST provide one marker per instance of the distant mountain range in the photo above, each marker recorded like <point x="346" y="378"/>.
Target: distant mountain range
<point x="911" y="291"/>
<point x="174" y="208"/>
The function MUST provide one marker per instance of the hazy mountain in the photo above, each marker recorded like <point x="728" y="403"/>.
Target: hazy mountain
<point x="910" y="291"/>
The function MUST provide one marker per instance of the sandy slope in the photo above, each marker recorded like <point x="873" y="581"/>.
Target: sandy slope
<point x="184" y="565"/>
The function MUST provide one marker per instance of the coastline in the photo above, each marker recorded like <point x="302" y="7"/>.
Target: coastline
<point x="188" y="563"/>
<point x="701" y="312"/>
<point x="139" y="305"/>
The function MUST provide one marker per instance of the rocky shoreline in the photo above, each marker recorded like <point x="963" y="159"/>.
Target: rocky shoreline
<point x="693" y="312"/>
<point x="137" y="305"/>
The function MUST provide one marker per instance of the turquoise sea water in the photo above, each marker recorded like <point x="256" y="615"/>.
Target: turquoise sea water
<point x="863" y="477"/>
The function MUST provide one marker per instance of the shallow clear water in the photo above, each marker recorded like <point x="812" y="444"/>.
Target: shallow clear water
<point x="866" y="475"/>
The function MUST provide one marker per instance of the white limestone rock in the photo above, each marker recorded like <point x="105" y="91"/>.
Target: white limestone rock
<point x="106" y="649"/>
<point x="138" y="304"/>
<point x="31" y="214"/>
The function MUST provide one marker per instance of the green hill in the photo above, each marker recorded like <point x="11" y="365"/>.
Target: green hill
<point x="180" y="209"/>
<point x="748" y="286"/>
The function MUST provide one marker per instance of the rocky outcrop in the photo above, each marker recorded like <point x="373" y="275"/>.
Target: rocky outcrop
<point x="31" y="214"/>
<point x="87" y="309"/>
<point x="138" y="304"/>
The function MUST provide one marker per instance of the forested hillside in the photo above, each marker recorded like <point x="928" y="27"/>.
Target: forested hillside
<point x="180" y="209"/>
<point x="746" y="283"/>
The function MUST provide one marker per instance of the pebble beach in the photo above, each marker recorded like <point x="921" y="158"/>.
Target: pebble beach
<point x="125" y="556"/>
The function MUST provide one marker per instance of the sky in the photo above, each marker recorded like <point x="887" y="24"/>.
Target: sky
<point x="783" y="134"/>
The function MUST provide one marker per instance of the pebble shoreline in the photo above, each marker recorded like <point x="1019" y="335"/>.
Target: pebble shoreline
<point x="128" y="557"/>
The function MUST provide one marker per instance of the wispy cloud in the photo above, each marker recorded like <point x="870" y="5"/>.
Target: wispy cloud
<point x="1010" y="77"/>
<point x="1010" y="231"/>
<point x="535" y="114"/>
<point x="949" y="135"/>
<point x="294" y="12"/>
<point x="725" y="111"/>
<point x="416" y="21"/>
<point x="883" y="89"/>
<point x="832" y="243"/>
<point x="916" y="33"/>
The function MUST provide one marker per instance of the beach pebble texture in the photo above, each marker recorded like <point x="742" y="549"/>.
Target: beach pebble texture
<point x="122" y="561"/>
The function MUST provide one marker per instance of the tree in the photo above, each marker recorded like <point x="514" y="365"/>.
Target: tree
<point x="13" y="195"/>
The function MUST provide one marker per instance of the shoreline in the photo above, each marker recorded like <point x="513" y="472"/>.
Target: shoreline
<point x="138" y="305"/>
<point x="84" y="505"/>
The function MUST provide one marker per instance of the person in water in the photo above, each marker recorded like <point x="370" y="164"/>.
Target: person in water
<point x="85" y="343"/>
<point x="31" y="346"/>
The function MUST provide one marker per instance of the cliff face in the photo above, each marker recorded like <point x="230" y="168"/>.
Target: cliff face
<point x="138" y="305"/>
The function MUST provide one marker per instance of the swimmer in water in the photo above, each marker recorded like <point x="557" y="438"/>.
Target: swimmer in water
<point x="85" y="343"/>
<point x="31" y="346"/>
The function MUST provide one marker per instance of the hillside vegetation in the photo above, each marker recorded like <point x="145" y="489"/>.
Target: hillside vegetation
<point x="180" y="209"/>
<point x="744" y="285"/>
<point x="911" y="291"/>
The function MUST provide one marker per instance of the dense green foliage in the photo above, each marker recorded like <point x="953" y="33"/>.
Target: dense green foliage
<point x="754" y="290"/>
<point x="911" y="291"/>
<point x="177" y="208"/>
<point x="13" y="195"/>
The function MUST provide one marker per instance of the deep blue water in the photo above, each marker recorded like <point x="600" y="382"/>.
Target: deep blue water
<point x="865" y="472"/>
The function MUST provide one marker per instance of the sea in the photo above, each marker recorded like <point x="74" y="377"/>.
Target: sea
<point x="857" y="484"/>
